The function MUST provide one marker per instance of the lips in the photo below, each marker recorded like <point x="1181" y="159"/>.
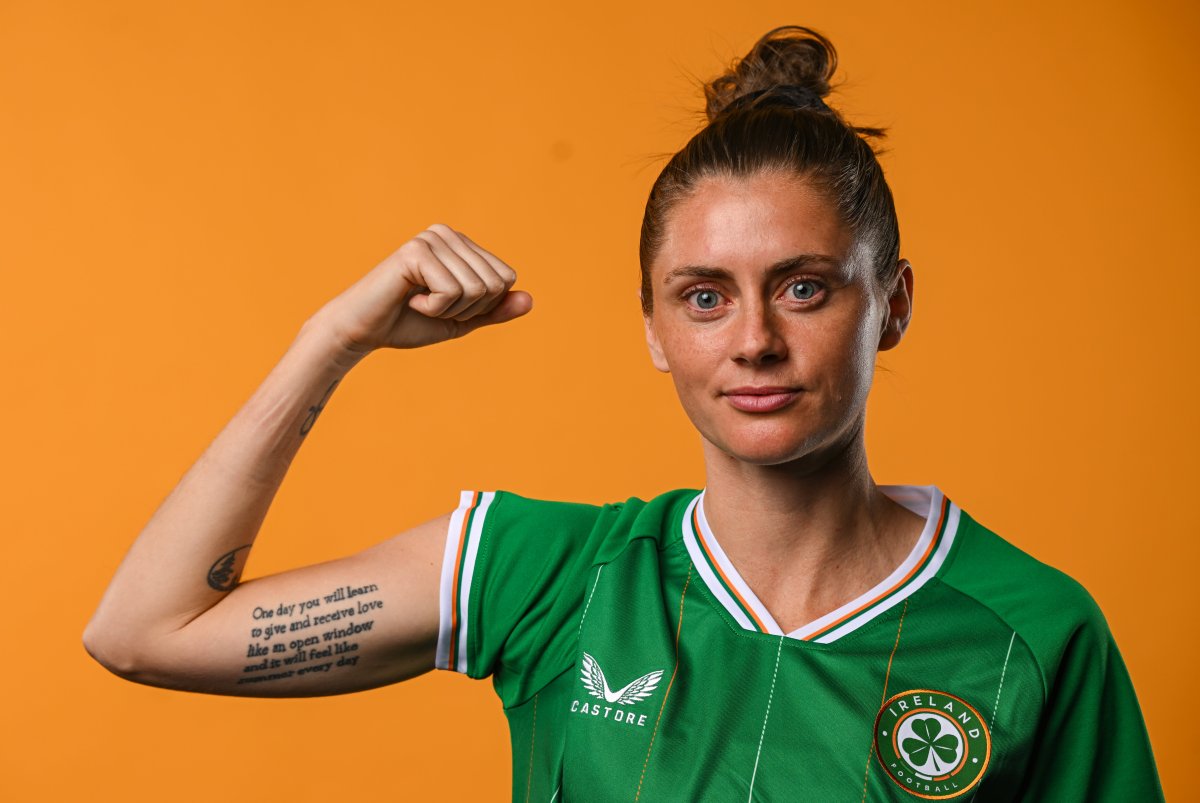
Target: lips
<point x="761" y="399"/>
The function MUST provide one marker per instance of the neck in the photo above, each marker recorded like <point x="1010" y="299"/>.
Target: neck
<point x="808" y="535"/>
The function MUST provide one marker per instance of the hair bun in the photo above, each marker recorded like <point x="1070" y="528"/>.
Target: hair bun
<point x="790" y="65"/>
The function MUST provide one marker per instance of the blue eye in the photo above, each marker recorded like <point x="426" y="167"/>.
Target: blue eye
<point x="706" y="299"/>
<point x="799" y="293"/>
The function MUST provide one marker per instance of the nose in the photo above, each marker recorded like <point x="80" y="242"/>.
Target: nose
<point x="758" y="339"/>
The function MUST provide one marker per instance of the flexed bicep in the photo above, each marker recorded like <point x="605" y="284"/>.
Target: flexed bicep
<point x="344" y="625"/>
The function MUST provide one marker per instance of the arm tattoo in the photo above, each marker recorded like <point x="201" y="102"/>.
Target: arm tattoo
<point x="305" y="636"/>
<point x="313" y="412"/>
<point x="221" y="575"/>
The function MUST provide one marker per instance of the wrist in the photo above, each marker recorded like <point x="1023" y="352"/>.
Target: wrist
<point x="319" y="339"/>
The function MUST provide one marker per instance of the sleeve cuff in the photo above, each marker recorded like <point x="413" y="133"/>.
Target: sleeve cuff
<point x="458" y="568"/>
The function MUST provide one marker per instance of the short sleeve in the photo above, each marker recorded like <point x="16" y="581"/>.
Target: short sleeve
<point x="1092" y="744"/>
<point x="514" y="574"/>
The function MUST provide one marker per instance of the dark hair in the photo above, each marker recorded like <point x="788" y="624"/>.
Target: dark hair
<point x="766" y="114"/>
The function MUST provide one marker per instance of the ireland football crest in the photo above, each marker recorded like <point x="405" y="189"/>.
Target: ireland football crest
<point x="931" y="743"/>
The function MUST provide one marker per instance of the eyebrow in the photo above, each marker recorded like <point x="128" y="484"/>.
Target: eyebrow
<point x="785" y="265"/>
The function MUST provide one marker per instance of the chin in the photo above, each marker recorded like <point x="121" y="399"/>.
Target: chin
<point x="764" y="449"/>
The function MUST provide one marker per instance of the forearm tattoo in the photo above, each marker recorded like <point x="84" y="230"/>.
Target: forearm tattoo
<point x="320" y="634"/>
<point x="313" y="412"/>
<point x="225" y="571"/>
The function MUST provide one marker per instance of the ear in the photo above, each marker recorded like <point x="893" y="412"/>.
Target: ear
<point x="899" y="307"/>
<point x="656" y="352"/>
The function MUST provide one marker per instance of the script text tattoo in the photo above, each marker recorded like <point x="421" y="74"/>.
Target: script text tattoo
<point x="304" y="636"/>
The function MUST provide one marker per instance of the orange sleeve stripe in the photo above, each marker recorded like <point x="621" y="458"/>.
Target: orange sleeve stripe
<point x="462" y="548"/>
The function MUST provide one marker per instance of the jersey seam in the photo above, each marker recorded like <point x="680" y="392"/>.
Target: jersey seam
<point x="966" y="523"/>
<point x="485" y="550"/>
<point x="575" y="623"/>
<point x="578" y="639"/>
<point x="1032" y="653"/>
<point x="675" y="525"/>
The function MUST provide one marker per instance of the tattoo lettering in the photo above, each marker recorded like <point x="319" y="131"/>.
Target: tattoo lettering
<point x="309" y="635"/>
<point x="313" y="412"/>
<point x="221" y="575"/>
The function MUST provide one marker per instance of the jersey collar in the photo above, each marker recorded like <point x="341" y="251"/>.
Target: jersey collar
<point x="922" y="563"/>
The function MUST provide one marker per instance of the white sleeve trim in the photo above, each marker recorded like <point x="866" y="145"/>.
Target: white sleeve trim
<point x="462" y="547"/>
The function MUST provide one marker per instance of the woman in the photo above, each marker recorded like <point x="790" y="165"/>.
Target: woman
<point x="793" y="631"/>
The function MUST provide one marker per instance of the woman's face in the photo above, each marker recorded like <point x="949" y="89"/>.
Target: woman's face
<point x="768" y="319"/>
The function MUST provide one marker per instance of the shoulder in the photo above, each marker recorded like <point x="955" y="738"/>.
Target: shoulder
<point x="506" y="516"/>
<point x="492" y="509"/>
<point x="1090" y="710"/>
<point x="515" y="575"/>
<point x="1047" y="608"/>
<point x="986" y="565"/>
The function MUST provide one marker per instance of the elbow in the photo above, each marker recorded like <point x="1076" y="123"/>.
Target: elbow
<point x="129" y="659"/>
<point x="114" y="656"/>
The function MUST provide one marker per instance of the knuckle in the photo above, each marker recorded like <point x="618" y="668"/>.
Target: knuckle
<point x="442" y="303"/>
<point x="417" y="245"/>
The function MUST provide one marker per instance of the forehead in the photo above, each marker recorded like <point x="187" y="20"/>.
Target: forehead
<point x="750" y="223"/>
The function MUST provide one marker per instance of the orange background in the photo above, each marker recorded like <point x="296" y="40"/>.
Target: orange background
<point x="185" y="183"/>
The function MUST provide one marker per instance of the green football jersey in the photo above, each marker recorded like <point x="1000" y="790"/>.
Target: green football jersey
<point x="634" y="664"/>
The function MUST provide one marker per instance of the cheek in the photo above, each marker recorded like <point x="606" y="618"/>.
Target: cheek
<point x="845" y="357"/>
<point x="690" y="354"/>
<point x="862" y="347"/>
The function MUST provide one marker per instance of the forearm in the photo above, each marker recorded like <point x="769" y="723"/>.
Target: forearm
<point x="192" y="551"/>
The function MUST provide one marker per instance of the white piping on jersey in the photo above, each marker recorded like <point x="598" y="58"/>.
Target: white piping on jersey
<point x="995" y="707"/>
<point x="1000" y="688"/>
<point x="595" y="583"/>
<point x="924" y="500"/>
<point x="763" y="732"/>
<point x="446" y="601"/>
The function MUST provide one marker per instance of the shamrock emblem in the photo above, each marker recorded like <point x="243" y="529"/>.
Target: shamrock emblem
<point x="928" y="743"/>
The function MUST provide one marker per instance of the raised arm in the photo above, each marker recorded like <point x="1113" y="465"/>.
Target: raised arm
<point x="176" y="614"/>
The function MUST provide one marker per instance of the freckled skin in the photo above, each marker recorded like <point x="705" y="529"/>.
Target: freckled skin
<point x="758" y="332"/>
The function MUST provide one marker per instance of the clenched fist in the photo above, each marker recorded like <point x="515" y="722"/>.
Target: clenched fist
<point x="437" y="286"/>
